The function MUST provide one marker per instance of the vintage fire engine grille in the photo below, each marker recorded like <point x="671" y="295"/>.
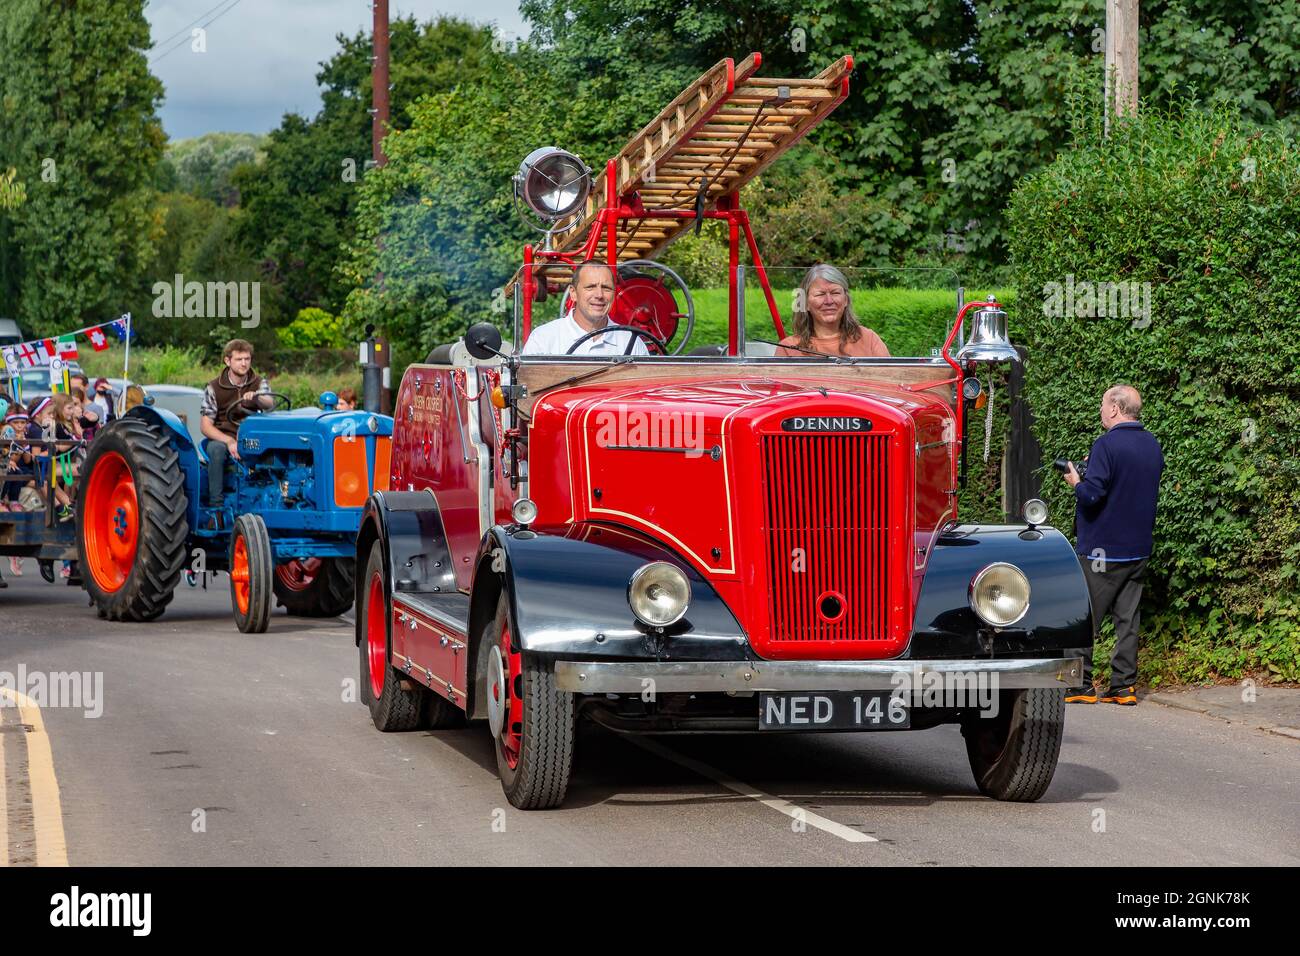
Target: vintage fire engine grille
<point x="828" y="536"/>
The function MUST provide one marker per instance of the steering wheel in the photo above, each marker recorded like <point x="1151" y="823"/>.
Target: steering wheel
<point x="621" y="328"/>
<point x="277" y="397"/>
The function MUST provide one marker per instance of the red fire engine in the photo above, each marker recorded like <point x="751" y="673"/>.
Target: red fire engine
<point x="721" y="539"/>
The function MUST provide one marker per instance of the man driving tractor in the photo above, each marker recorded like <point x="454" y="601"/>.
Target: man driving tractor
<point x="227" y="400"/>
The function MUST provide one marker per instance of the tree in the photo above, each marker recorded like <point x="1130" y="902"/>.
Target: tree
<point x="299" y="204"/>
<point x="80" y="126"/>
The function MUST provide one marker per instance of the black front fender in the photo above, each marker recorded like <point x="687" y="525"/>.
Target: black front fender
<point x="568" y="597"/>
<point x="408" y="526"/>
<point x="1059" y="619"/>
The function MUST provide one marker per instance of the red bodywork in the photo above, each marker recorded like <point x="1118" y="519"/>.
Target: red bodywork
<point x="736" y="503"/>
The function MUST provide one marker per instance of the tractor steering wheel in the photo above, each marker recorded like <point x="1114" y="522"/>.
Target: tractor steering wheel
<point x="278" y="397"/>
<point x="621" y="328"/>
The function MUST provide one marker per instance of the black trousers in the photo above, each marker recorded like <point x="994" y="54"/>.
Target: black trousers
<point x="1115" y="588"/>
<point x="218" y="454"/>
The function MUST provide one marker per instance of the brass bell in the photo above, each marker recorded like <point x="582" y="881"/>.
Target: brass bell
<point x="988" y="343"/>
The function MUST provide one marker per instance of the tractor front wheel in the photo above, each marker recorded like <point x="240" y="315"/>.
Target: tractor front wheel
<point x="131" y="525"/>
<point x="315" y="587"/>
<point x="251" y="573"/>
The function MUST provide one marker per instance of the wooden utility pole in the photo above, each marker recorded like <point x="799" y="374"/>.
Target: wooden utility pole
<point x="1121" y="59"/>
<point x="379" y="81"/>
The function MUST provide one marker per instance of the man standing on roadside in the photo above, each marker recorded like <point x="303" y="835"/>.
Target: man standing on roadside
<point x="1115" y="516"/>
<point x="229" y="397"/>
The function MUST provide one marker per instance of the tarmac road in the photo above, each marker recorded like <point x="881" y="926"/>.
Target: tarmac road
<point x="218" y="748"/>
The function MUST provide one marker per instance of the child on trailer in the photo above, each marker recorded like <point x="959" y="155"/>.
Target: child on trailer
<point x="43" y="427"/>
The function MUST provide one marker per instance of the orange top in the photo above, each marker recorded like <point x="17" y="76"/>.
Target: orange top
<point x="869" y="345"/>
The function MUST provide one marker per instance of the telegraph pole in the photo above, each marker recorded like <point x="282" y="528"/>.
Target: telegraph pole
<point x="376" y="383"/>
<point x="379" y="80"/>
<point x="1121" y="59"/>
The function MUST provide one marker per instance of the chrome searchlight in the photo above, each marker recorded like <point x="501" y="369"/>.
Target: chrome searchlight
<point x="999" y="594"/>
<point x="552" y="182"/>
<point x="659" y="594"/>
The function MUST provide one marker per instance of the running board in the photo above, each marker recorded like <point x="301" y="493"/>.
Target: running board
<point x="429" y="642"/>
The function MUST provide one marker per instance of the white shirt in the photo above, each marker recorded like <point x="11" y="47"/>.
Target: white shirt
<point x="555" y="337"/>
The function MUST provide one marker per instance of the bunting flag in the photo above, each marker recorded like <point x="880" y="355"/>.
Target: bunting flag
<point x="98" y="340"/>
<point x="28" y="355"/>
<point x="13" y="367"/>
<point x="50" y="350"/>
<point x="121" y="327"/>
<point x="67" y="347"/>
<point x="60" y="375"/>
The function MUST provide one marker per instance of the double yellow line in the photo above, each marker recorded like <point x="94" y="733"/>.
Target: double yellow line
<point x="46" y="807"/>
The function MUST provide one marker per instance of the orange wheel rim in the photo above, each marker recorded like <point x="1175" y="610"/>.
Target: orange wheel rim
<point x="110" y="525"/>
<point x="239" y="575"/>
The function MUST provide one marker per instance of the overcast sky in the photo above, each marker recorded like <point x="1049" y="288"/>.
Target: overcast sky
<point x="262" y="55"/>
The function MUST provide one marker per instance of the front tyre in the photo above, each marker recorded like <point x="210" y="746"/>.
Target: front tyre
<point x="131" y="525"/>
<point x="532" y="722"/>
<point x="1013" y="755"/>
<point x="251" y="572"/>
<point x="395" y="703"/>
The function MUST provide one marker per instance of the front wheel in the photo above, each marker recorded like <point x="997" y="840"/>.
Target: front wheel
<point x="251" y="571"/>
<point x="395" y="703"/>
<point x="532" y="723"/>
<point x="1013" y="755"/>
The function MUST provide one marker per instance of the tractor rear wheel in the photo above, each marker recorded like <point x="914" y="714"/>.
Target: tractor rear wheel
<point x="316" y="587"/>
<point x="251" y="573"/>
<point x="131" y="526"/>
<point x="1013" y="755"/>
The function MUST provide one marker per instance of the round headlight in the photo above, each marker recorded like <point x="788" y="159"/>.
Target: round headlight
<point x="999" y="594"/>
<point x="1035" y="511"/>
<point x="659" y="594"/>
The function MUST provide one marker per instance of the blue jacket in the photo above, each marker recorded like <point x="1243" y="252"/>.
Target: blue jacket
<point x="1115" y="504"/>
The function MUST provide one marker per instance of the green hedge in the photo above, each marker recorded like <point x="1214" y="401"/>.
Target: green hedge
<point x="1207" y="212"/>
<point x="911" y="321"/>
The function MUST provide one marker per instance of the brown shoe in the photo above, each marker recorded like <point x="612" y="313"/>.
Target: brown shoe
<point x="1119" y="695"/>
<point x="1081" y="695"/>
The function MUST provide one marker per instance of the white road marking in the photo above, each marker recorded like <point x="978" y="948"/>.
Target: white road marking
<point x="745" y="790"/>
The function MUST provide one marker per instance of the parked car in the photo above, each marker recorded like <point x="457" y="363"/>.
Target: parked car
<point x="184" y="402"/>
<point x="10" y="333"/>
<point x="36" y="382"/>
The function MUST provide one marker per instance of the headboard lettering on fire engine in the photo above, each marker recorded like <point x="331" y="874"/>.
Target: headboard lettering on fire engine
<point x="826" y="423"/>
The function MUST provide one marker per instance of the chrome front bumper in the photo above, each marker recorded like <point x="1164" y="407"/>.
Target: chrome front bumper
<point x="620" y="677"/>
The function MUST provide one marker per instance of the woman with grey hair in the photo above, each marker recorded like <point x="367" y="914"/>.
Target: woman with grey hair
<point x="824" y="320"/>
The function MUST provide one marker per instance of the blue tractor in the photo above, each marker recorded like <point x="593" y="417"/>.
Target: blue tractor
<point x="287" y="530"/>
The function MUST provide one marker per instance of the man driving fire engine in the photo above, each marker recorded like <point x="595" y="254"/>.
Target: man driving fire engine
<point x="592" y="292"/>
